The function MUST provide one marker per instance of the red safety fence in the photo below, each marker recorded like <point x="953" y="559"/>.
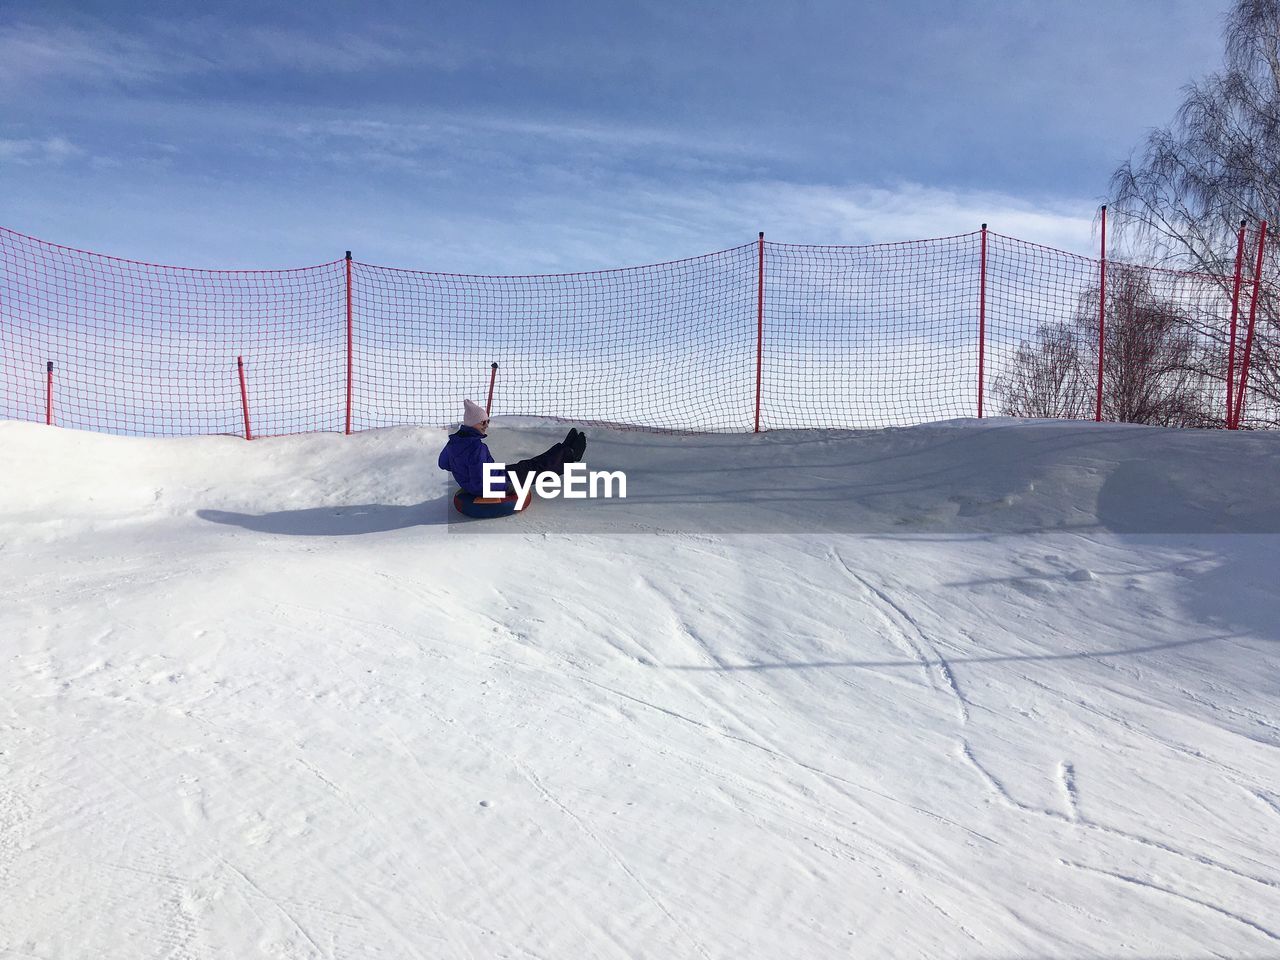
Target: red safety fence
<point x="760" y="336"/>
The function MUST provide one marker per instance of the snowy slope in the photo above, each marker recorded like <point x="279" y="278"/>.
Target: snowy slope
<point x="965" y="690"/>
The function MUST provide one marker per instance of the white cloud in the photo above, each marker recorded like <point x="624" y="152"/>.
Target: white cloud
<point x="33" y="151"/>
<point x="586" y="145"/>
<point x="250" y="49"/>
<point x="572" y="181"/>
<point x="909" y="211"/>
<point x="545" y="226"/>
<point x="642" y="222"/>
<point x="34" y="54"/>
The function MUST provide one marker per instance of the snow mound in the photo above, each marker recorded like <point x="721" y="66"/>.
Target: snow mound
<point x="1001" y="476"/>
<point x="975" y="689"/>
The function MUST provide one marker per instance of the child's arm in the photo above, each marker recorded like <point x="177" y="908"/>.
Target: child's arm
<point x="500" y="482"/>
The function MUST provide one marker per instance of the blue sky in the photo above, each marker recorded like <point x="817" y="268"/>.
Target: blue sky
<point x="528" y="137"/>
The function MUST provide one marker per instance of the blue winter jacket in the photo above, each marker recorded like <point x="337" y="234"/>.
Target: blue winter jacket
<point x="465" y="456"/>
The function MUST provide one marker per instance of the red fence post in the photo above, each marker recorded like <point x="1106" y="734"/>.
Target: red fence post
<point x="348" y="343"/>
<point x="1235" y="313"/>
<point x="48" y="393"/>
<point x="759" y="327"/>
<point x="493" y="375"/>
<point x="982" y="317"/>
<point x="244" y="399"/>
<point x="1102" y="316"/>
<point x="1248" y="339"/>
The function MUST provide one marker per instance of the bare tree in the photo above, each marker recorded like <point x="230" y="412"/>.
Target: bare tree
<point x="1156" y="369"/>
<point x="1218" y="163"/>
<point x="1046" y="378"/>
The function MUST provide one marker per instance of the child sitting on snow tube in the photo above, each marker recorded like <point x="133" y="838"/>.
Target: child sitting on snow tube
<point x="466" y="454"/>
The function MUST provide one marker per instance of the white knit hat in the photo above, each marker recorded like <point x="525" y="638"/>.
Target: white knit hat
<point x="473" y="413"/>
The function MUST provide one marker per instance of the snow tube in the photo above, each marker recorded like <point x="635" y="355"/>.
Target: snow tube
<point x="485" y="508"/>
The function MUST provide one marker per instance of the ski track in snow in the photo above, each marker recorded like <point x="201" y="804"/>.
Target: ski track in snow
<point x="1067" y="773"/>
<point x="367" y="814"/>
<point x="825" y="775"/>
<point x="1167" y="891"/>
<point x="255" y="892"/>
<point x="1268" y="802"/>
<point x="529" y="776"/>
<point x="581" y="824"/>
<point x="1075" y="819"/>
<point x="912" y="639"/>
<point x="752" y="736"/>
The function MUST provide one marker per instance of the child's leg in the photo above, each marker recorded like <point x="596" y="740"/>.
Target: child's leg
<point x="551" y="459"/>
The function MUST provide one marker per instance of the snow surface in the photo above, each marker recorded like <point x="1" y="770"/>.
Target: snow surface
<point x="963" y="690"/>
